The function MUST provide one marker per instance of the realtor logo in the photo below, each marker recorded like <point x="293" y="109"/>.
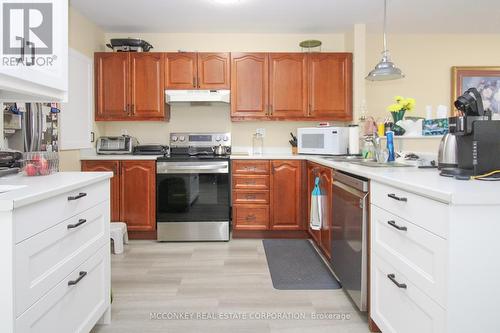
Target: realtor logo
<point x="27" y="28"/>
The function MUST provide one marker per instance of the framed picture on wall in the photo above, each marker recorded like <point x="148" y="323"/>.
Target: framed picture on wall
<point x="485" y="79"/>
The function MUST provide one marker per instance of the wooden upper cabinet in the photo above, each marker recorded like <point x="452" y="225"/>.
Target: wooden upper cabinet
<point x="286" y="195"/>
<point x="113" y="166"/>
<point x="181" y="70"/>
<point x="147" y="94"/>
<point x="330" y="79"/>
<point x="137" y="193"/>
<point x="111" y="85"/>
<point x="249" y="85"/>
<point x="213" y="71"/>
<point x="288" y="86"/>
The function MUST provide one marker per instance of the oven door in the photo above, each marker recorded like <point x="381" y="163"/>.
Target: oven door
<point x="192" y="200"/>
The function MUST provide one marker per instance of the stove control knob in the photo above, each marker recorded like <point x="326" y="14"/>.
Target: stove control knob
<point x="226" y="138"/>
<point x="217" y="138"/>
<point x="182" y="138"/>
<point x="174" y="138"/>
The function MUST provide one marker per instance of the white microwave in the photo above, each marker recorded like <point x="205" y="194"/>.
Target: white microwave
<point x="323" y="140"/>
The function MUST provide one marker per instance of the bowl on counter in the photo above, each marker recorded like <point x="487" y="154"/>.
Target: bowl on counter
<point x="40" y="163"/>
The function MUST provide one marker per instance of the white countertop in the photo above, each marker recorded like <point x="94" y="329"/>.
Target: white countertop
<point x="425" y="182"/>
<point x="42" y="187"/>
<point x="84" y="156"/>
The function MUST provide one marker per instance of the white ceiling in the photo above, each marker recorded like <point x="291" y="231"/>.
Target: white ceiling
<point x="292" y="16"/>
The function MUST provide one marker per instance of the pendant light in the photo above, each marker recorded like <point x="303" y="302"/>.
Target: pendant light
<point x="385" y="69"/>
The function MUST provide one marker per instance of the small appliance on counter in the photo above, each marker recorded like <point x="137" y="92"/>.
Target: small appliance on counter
<point x="447" y="154"/>
<point x="113" y="145"/>
<point x="129" y="45"/>
<point x="326" y="140"/>
<point x="10" y="162"/>
<point x="477" y="139"/>
<point x="151" y="149"/>
<point x="193" y="188"/>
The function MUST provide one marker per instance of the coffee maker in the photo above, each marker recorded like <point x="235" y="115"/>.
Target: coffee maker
<point x="477" y="136"/>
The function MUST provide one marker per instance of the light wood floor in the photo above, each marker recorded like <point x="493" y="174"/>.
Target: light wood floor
<point x="224" y="278"/>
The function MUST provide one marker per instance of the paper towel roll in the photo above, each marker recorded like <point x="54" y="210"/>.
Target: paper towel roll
<point x="353" y="139"/>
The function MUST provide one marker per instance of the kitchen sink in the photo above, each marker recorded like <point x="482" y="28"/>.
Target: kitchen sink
<point x="8" y="188"/>
<point x="372" y="163"/>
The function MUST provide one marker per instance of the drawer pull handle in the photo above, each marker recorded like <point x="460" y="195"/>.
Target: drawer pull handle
<point x="395" y="197"/>
<point x="73" y="282"/>
<point x="392" y="277"/>
<point x="251" y="182"/>
<point x="80" y="222"/>
<point x="250" y="196"/>
<point x="392" y="223"/>
<point x="250" y="217"/>
<point x="76" y="197"/>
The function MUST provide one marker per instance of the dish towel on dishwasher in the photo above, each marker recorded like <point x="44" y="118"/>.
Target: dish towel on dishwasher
<point x="316" y="216"/>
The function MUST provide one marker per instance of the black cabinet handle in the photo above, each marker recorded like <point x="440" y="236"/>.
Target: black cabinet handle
<point x="395" y="197"/>
<point x="392" y="223"/>
<point x="392" y="277"/>
<point x="80" y="222"/>
<point x="76" y="197"/>
<point x="73" y="282"/>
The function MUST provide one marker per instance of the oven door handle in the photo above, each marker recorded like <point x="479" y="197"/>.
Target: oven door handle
<point x="193" y="169"/>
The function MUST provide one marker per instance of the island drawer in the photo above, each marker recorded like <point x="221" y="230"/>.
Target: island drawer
<point x="397" y="305"/>
<point x="251" y="217"/>
<point x="250" y="182"/>
<point x="250" y="197"/>
<point x="417" y="253"/>
<point x="429" y="214"/>
<point x="46" y="258"/>
<point x="32" y="219"/>
<point x="250" y="167"/>
<point x="75" y="303"/>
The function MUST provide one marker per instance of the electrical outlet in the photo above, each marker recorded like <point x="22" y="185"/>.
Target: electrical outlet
<point x="261" y="131"/>
<point x="123" y="131"/>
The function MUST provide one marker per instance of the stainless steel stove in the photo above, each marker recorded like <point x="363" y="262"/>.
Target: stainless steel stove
<point x="193" y="188"/>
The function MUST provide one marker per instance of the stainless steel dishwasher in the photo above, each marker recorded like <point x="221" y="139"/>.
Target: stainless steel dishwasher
<point x="349" y="235"/>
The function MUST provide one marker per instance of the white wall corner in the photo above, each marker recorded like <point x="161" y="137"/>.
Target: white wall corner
<point x="359" y="69"/>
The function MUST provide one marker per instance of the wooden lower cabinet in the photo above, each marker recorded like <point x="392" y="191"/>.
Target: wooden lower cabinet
<point x="133" y="189"/>
<point x="268" y="195"/>
<point x="137" y="195"/>
<point x="286" y="198"/>
<point x="113" y="166"/>
<point x="323" y="237"/>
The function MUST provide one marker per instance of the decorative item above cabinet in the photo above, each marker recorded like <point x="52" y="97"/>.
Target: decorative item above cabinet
<point x="291" y="86"/>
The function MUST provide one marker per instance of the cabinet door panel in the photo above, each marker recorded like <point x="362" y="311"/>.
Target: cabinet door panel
<point x="286" y="208"/>
<point x="213" y="71"/>
<point x="180" y="71"/>
<point x="111" y="85"/>
<point x="137" y="187"/>
<point x="251" y="217"/>
<point x="113" y="166"/>
<point x="147" y="95"/>
<point x="249" y="85"/>
<point x="330" y="86"/>
<point x="288" y="85"/>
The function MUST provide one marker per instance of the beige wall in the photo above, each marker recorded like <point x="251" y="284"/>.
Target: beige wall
<point x="216" y="118"/>
<point x="85" y="37"/>
<point x="426" y="60"/>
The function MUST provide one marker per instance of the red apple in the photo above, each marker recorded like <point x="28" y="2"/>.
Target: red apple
<point x="30" y="169"/>
<point x="43" y="166"/>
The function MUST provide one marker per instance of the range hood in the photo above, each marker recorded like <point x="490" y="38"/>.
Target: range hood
<point x="211" y="96"/>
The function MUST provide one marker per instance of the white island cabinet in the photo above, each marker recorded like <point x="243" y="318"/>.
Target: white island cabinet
<point x="55" y="252"/>
<point x="434" y="264"/>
